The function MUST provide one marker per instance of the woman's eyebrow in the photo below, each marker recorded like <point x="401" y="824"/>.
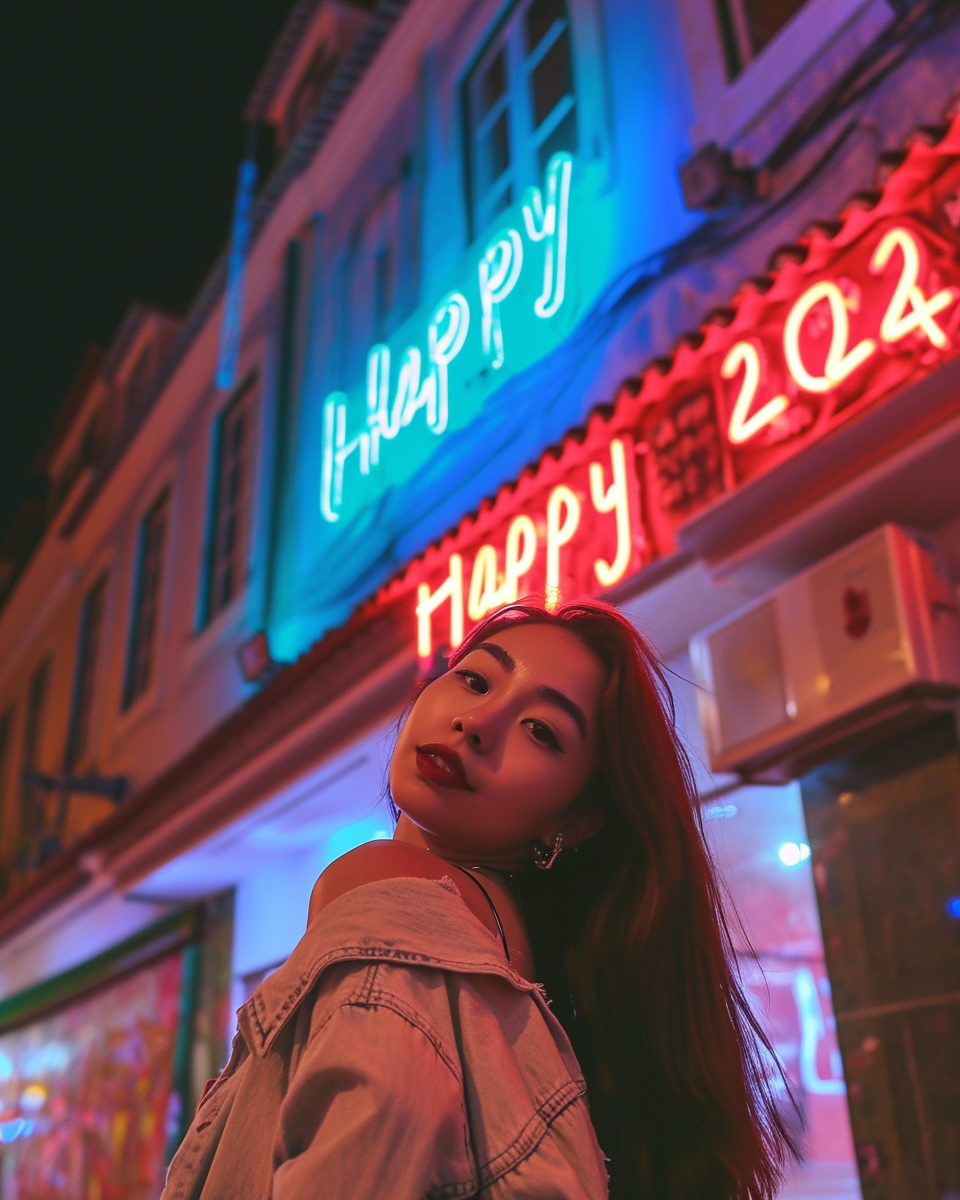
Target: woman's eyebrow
<point x="503" y="658"/>
<point x="548" y="693"/>
<point x="568" y="706"/>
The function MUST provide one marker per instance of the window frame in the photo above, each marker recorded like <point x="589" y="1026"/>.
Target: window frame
<point x="754" y="107"/>
<point x="9" y="814"/>
<point x="130" y="694"/>
<point x="734" y="23"/>
<point x="386" y="230"/>
<point x="242" y="401"/>
<point x="87" y="665"/>
<point x="31" y="739"/>
<point x="308" y="91"/>
<point x="507" y="35"/>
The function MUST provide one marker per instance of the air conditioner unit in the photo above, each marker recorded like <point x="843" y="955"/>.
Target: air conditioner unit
<point x="864" y="643"/>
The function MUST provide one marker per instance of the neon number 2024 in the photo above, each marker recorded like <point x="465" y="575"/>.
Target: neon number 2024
<point x="908" y="311"/>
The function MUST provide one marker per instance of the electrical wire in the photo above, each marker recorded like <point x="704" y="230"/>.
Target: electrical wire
<point x="896" y="43"/>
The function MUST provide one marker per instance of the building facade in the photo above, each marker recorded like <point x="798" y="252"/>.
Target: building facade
<point x="653" y="302"/>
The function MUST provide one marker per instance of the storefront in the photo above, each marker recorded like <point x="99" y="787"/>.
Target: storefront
<point x="94" y="1067"/>
<point x="817" y="407"/>
<point x="797" y="419"/>
<point x="512" y="403"/>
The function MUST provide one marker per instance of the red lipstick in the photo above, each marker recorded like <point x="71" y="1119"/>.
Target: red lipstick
<point x="441" y="765"/>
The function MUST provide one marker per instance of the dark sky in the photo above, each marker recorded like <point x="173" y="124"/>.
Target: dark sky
<point x="122" y="133"/>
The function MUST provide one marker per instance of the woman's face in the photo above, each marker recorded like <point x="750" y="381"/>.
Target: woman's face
<point x="495" y="752"/>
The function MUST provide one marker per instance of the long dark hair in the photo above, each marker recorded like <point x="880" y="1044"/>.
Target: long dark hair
<point x="632" y="946"/>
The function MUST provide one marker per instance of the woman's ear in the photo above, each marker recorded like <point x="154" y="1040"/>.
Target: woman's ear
<point x="581" y="825"/>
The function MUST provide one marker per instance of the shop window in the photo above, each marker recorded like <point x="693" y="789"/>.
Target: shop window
<point x="520" y="106"/>
<point x="141" y="654"/>
<point x="226" y="537"/>
<point x="107" y="1064"/>
<point x="748" y="25"/>
<point x="88" y="653"/>
<point x="758" y="839"/>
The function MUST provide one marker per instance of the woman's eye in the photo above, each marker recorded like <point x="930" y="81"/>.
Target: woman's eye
<point x="542" y="733"/>
<point x="474" y="681"/>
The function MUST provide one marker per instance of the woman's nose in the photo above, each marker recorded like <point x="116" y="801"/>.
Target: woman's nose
<point x="473" y="730"/>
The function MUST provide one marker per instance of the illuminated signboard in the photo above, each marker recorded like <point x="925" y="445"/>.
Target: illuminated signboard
<point x="847" y="316"/>
<point x="466" y="390"/>
<point x="833" y="335"/>
<point x="514" y="303"/>
<point x="570" y="528"/>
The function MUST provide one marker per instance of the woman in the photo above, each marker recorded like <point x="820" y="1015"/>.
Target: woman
<point x="547" y="842"/>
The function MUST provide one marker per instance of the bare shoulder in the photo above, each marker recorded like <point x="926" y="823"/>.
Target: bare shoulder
<point x="371" y="863"/>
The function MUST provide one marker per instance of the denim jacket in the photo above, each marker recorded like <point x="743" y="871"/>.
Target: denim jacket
<point x="396" y="1054"/>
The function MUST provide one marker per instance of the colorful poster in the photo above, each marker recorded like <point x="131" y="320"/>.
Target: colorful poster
<point x="86" y="1093"/>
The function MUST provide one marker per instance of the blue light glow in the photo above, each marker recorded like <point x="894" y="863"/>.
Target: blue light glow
<point x="719" y="812"/>
<point x="355" y="834"/>
<point x="522" y="289"/>
<point x="792" y="853"/>
<point x="21" y="1127"/>
<point x="236" y="264"/>
<point x="555" y="286"/>
<point x="953" y="907"/>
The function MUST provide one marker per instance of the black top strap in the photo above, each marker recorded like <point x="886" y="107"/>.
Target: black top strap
<point x="493" y="909"/>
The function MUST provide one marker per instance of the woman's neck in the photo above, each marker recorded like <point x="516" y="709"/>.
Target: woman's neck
<point x="502" y="866"/>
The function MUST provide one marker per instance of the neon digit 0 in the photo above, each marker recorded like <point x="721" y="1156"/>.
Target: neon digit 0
<point x="840" y="362"/>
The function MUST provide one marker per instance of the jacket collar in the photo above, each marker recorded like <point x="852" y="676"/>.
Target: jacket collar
<point x="419" y="922"/>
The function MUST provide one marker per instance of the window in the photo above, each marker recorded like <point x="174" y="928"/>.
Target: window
<point x="84" y="682"/>
<point x="754" y="65"/>
<point x="226" y="532"/>
<point x="32" y="815"/>
<point x="381" y="271"/>
<point x="748" y="25"/>
<point x="521" y="106"/>
<point x="138" y="381"/>
<point x="309" y="90"/>
<point x="146" y="600"/>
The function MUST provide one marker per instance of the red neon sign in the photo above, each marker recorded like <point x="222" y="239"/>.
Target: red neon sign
<point x="572" y="528"/>
<point x="847" y="317"/>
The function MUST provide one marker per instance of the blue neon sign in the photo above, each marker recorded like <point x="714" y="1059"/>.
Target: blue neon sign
<point x="512" y="306"/>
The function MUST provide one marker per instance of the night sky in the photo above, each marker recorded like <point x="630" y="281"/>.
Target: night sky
<point x="122" y="135"/>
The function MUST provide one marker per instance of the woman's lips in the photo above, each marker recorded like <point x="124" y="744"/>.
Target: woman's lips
<point x="441" y="765"/>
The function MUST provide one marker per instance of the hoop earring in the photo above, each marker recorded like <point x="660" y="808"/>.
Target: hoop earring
<point x="545" y="856"/>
